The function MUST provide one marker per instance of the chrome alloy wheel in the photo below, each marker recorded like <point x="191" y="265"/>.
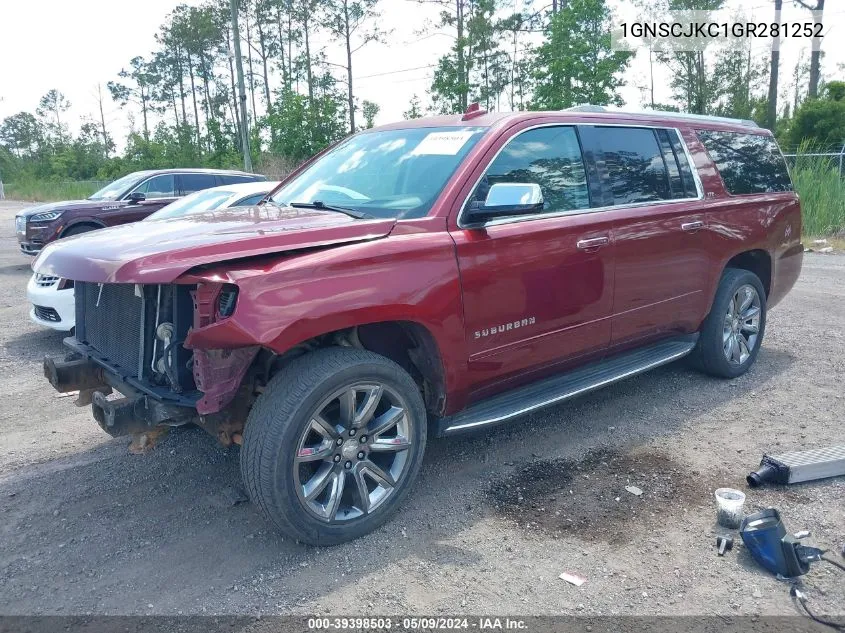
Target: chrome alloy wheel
<point x="742" y="325"/>
<point x="353" y="453"/>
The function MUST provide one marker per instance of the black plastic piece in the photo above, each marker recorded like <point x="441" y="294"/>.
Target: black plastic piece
<point x="770" y="471"/>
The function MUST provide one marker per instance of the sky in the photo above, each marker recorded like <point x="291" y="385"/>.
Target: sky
<point x="74" y="46"/>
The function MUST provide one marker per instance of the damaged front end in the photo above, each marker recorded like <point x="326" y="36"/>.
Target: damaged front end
<point x="134" y="339"/>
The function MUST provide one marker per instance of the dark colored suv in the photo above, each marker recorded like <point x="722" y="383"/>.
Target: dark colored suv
<point x="442" y="275"/>
<point x="127" y="199"/>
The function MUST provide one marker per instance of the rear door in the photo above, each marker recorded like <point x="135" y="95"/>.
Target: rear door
<point x="538" y="289"/>
<point x="662" y="259"/>
<point x="189" y="183"/>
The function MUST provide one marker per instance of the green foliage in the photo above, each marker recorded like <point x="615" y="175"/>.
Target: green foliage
<point x="822" y="192"/>
<point x="820" y="122"/>
<point x="49" y="191"/>
<point x="575" y="64"/>
<point x="414" y="110"/>
<point x="303" y="128"/>
<point x="370" y="111"/>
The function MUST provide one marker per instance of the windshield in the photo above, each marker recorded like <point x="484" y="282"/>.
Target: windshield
<point x="119" y="186"/>
<point x="206" y="200"/>
<point x="394" y="173"/>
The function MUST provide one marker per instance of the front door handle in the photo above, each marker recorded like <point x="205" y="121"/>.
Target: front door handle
<point x="692" y="227"/>
<point x="595" y="242"/>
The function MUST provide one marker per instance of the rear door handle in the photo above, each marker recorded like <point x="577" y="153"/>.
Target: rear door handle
<point x="691" y="227"/>
<point x="595" y="242"/>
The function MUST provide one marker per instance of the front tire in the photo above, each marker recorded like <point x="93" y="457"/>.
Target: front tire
<point x="333" y="445"/>
<point x="732" y="333"/>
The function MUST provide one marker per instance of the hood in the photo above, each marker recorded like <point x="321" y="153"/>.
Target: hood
<point x="65" y="205"/>
<point x="160" y="251"/>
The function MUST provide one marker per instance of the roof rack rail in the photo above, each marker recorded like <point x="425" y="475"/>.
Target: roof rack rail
<point x="673" y="115"/>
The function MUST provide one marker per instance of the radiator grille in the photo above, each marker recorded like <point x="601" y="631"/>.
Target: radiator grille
<point x="111" y="316"/>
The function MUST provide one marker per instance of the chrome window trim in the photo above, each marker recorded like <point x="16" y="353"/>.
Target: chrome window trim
<point x="556" y="214"/>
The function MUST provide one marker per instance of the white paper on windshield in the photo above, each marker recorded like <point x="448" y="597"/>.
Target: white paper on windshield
<point x="442" y="143"/>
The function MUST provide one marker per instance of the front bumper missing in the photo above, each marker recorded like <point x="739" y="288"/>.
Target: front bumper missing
<point x="134" y="413"/>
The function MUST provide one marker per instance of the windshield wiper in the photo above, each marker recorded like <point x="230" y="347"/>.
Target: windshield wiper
<point x="319" y="204"/>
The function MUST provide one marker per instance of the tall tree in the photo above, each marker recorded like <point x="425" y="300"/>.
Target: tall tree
<point x="108" y="145"/>
<point x="50" y="108"/>
<point x="353" y="23"/>
<point x="370" y="111"/>
<point x="414" y="110"/>
<point x="774" y="69"/>
<point x="694" y="86"/>
<point x="304" y="16"/>
<point x="815" y="57"/>
<point x="138" y="92"/>
<point x="450" y="86"/>
<point x="21" y="134"/>
<point x="575" y="64"/>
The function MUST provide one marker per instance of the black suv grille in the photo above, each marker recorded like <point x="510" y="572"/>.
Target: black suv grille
<point x="109" y="318"/>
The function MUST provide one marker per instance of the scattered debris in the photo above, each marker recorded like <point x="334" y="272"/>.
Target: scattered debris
<point x="821" y="242"/>
<point x="725" y="544"/>
<point x="799" y="466"/>
<point x="572" y="579"/>
<point x="765" y="536"/>
<point x="756" y="593"/>
<point x="634" y="490"/>
<point x="145" y="442"/>
<point x="729" y="504"/>
<point x="826" y="249"/>
<point x="802" y="534"/>
<point x="67" y="394"/>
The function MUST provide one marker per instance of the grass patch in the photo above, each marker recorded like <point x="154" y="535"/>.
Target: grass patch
<point x="822" y="192"/>
<point x="48" y="191"/>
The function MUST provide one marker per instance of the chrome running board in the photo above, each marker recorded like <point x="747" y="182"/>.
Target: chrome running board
<point x="565" y="386"/>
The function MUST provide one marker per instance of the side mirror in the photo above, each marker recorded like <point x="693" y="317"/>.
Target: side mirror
<point x="136" y="196"/>
<point x="506" y="199"/>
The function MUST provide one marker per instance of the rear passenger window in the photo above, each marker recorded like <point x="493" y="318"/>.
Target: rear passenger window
<point x="748" y="163"/>
<point x="196" y="182"/>
<point x="547" y="156"/>
<point x="634" y="164"/>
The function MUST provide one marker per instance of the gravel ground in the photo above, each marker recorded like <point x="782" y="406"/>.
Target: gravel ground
<point x="86" y="527"/>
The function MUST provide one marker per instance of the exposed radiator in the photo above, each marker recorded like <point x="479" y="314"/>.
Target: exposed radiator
<point x="109" y="318"/>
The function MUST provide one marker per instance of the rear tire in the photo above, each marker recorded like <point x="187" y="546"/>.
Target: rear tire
<point x="333" y="445"/>
<point x="732" y="333"/>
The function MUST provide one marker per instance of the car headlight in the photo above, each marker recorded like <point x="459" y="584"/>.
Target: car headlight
<point x="46" y="216"/>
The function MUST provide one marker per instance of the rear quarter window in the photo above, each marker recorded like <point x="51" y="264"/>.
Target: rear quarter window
<point x="748" y="163"/>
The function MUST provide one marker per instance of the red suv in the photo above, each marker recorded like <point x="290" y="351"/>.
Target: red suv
<point x="443" y="274"/>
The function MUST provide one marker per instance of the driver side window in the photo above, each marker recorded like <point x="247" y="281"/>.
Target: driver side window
<point x="158" y="187"/>
<point x="547" y="156"/>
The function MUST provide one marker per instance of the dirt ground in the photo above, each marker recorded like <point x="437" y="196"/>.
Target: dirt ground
<point x="86" y="527"/>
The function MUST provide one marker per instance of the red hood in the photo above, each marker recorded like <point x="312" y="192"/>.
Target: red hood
<point x="160" y="251"/>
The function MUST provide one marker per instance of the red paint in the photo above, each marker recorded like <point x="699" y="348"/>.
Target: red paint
<point x="312" y="272"/>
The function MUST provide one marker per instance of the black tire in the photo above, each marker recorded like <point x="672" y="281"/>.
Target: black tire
<point x="279" y="420"/>
<point x="79" y="229"/>
<point x="710" y="355"/>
